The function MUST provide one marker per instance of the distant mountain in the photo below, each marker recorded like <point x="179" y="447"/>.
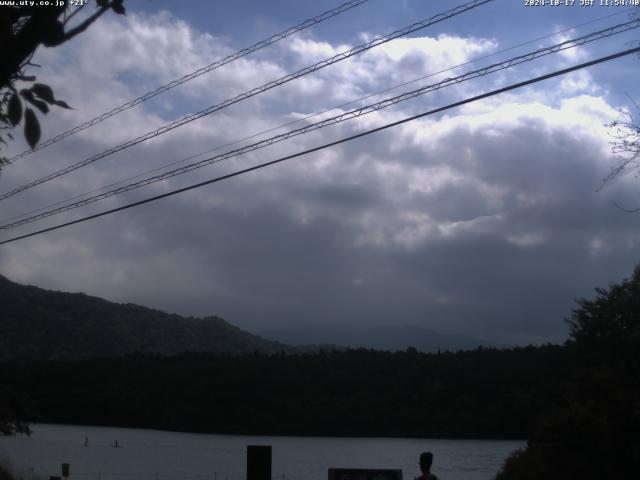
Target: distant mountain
<point x="390" y="338"/>
<point x="38" y="324"/>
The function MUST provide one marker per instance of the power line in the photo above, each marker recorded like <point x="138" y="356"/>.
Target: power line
<point x="268" y="86"/>
<point x="293" y="122"/>
<point x="330" y="144"/>
<point x="358" y="112"/>
<point x="201" y="71"/>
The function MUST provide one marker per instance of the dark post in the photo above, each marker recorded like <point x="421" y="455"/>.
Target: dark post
<point x="65" y="470"/>
<point x="259" y="462"/>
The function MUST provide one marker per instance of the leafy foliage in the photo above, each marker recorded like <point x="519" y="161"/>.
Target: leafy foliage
<point x="626" y="139"/>
<point x="31" y="128"/>
<point x="612" y="318"/>
<point x="597" y="435"/>
<point x="40" y="96"/>
<point x="14" y="110"/>
<point x="626" y="145"/>
<point x="23" y="28"/>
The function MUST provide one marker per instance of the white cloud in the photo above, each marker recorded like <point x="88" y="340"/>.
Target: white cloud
<point x="430" y="206"/>
<point x="526" y="239"/>
<point x="441" y="52"/>
<point x="573" y="54"/>
<point x="578" y="82"/>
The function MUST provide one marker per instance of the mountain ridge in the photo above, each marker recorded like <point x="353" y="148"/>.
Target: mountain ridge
<point x="380" y="337"/>
<point x="40" y="324"/>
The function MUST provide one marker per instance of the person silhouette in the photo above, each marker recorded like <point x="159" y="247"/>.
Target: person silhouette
<point x="426" y="460"/>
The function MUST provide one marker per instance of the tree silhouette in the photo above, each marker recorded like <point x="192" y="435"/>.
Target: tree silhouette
<point x="626" y="141"/>
<point x="626" y="145"/>
<point x="23" y="28"/>
<point x="597" y="433"/>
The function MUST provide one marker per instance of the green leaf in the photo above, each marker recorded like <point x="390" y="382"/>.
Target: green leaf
<point x="39" y="104"/>
<point x="51" y="33"/>
<point x="118" y="7"/>
<point x="44" y="92"/>
<point x="62" y="104"/>
<point x="14" y="110"/>
<point x="31" y="128"/>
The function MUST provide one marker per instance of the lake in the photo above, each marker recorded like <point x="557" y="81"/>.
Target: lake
<point x="160" y="455"/>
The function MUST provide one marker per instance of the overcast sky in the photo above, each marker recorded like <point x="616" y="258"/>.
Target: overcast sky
<point x="484" y="220"/>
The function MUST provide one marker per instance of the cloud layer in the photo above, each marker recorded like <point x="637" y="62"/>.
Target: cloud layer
<point x="484" y="220"/>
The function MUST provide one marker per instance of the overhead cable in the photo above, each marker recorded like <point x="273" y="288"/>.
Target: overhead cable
<point x="243" y="96"/>
<point x="355" y="113"/>
<point x="308" y="117"/>
<point x="330" y="144"/>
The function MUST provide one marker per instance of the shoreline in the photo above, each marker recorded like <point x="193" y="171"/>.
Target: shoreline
<point x="284" y="435"/>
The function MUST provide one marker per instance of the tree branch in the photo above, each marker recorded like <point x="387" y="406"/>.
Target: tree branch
<point x="83" y="26"/>
<point x="76" y="11"/>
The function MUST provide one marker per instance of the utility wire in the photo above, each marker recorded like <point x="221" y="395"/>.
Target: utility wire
<point x="331" y="144"/>
<point x="358" y="112"/>
<point x="268" y="86"/>
<point x="201" y="71"/>
<point x="293" y="122"/>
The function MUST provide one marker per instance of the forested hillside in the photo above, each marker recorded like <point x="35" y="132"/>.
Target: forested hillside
<point x="38" y="324"/>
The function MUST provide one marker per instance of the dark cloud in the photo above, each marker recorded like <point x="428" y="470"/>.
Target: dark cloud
<point x="483" y="221"/>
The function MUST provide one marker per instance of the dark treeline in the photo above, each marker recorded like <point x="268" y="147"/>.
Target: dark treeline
<point x="578" y="405"/>
<point x="596" y="434"/>
<point x="481" y="393"/>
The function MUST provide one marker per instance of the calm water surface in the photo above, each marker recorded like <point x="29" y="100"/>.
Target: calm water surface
<point x="159" y="455"/>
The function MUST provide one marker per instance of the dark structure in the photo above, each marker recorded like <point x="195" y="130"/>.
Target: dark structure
<point x="259" y="462"/>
